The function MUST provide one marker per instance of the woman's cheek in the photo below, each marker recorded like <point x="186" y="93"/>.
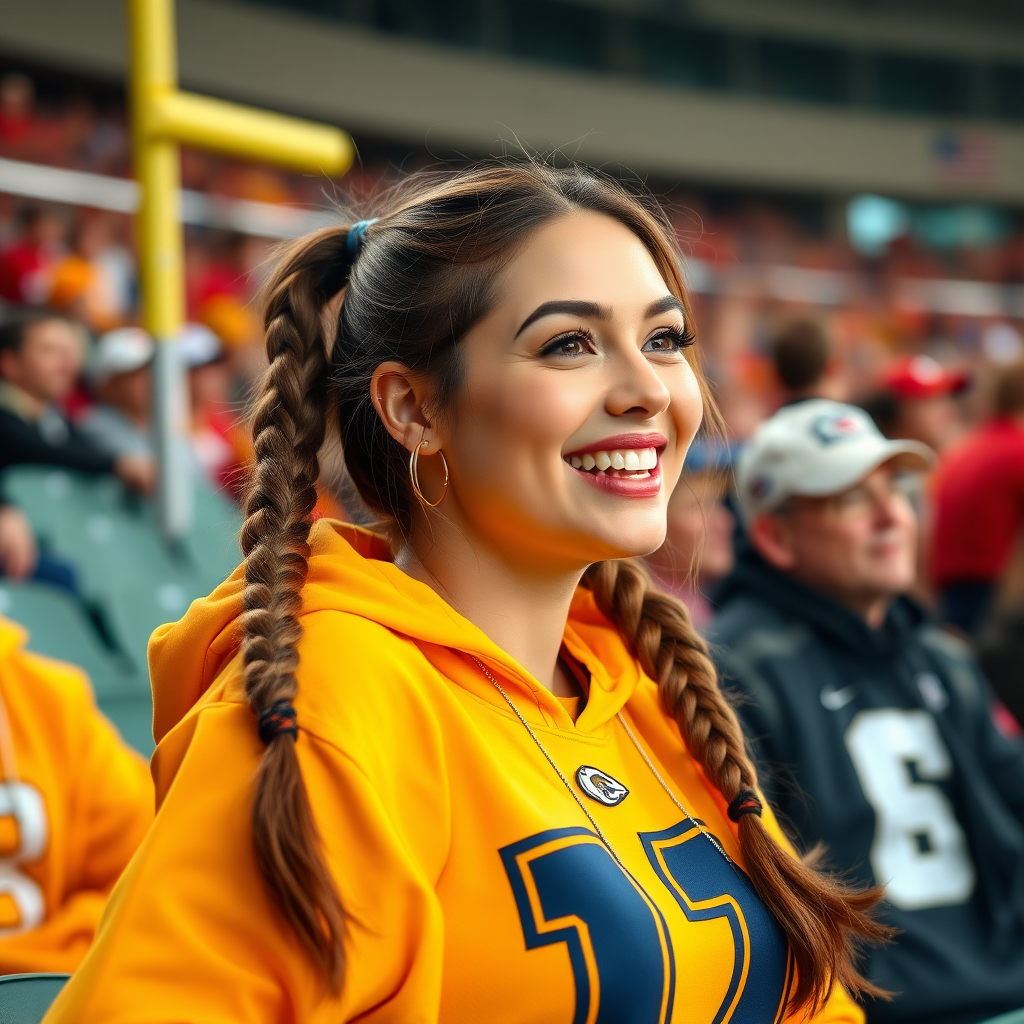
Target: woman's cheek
<point x="550" y="407"/>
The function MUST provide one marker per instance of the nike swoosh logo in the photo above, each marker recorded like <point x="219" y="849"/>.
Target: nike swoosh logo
<point x="834" y="699"/>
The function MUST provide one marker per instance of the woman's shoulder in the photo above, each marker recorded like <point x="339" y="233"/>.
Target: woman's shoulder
<point x="360" y="683"/>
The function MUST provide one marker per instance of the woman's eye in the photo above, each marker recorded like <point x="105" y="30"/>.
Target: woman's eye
<point x="576" y="344"/>
<point x="669" y="342"/>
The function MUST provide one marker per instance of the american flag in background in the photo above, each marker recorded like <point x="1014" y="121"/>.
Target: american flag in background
<point x="967" y="157"/>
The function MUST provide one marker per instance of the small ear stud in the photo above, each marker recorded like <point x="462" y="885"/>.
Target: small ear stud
<point x="424" y="444"/>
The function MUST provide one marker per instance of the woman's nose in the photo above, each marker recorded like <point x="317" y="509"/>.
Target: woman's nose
<point x="636" y="389"/>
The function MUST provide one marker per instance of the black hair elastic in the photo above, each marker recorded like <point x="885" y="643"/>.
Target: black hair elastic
<point x="354" y="239"/>
<point x="278" y="718"/>
<point x="746" y="802"/>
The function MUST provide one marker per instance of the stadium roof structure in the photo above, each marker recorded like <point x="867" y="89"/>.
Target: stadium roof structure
<point x="905" y="98"/>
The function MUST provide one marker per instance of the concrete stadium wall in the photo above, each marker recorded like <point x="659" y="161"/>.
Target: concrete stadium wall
<point x="448" y="99"/>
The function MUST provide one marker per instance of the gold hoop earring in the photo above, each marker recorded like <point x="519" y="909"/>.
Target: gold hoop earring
<point x="414" y="475"/>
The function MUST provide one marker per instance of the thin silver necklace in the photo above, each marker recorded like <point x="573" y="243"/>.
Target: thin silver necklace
<point x="572" y="792"/>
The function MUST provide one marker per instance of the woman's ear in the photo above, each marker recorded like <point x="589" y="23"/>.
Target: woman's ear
<point x="401" y="397"/>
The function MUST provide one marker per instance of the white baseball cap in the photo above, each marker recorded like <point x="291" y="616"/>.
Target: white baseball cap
<point x="120" y="351"/>
<point x="198" y="346"/>
<point x="815" y="448"/>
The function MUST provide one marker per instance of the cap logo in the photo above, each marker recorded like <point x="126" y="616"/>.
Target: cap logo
<point x="760" y="487"/>
<point x="830" y="429"/>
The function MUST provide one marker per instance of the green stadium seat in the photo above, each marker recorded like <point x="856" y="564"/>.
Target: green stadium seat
<point x="213" y="540"/>
<point x="59" y="628"/>
<point x="132" y="715"/>
<point x="116" y="546"/>
<point x="25" y="998"/>
<point x="136" y="609"/>
<point x="48" y="495"/>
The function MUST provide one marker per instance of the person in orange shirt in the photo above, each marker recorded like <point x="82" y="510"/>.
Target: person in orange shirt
<point x="467" y="767"/>
<point x="75" y="802"/>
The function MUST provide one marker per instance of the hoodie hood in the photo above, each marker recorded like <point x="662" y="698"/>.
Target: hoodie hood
<point x="753" y="577"/>
<point x="351" y="570"/>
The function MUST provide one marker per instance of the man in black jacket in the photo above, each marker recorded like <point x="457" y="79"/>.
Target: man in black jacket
<point x="873" y="728"/>
<point x="40" y="357"/>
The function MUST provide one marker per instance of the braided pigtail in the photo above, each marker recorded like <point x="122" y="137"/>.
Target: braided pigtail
<point x="824" y="920"/>
<point x="289" y="425"/>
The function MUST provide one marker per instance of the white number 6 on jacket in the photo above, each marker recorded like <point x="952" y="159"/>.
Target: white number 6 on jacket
<point x="919" y="852"/>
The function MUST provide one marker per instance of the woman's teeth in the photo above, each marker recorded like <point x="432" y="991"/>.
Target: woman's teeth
<point x="631" y="460"/>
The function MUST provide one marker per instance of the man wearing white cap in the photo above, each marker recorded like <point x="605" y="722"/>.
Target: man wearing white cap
<point x="874" y="727"/>
<point x="118" y="371"/>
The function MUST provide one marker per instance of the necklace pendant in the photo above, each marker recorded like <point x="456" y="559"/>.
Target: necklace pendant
<point x="600" y="786"/>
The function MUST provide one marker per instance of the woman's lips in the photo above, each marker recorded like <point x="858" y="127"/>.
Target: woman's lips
<point x="623" y="442"/>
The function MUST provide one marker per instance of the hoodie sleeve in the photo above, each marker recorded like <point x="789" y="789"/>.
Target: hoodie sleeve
<point x="99" y="813"/>
<point x="193" y="934"/>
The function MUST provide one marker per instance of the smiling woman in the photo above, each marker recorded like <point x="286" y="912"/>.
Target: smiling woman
<point x="470" y="759"/>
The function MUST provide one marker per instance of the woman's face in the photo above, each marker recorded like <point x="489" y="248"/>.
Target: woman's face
<point x="578" y="403"/>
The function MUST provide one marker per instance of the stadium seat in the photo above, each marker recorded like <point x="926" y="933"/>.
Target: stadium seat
<point x="95" y="523"/>
<point x="25" y="998"/>
<point x="48" y="495"/>
<point x="112" y="547"/>
<point x="136" y="609"/>
<point x="132" y="715"/>
<point x="59" y="628"/>
<point x="213" y="539"/>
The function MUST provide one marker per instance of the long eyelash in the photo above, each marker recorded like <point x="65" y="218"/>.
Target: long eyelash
<point x="683" y="338"/>
<point x="580" y="332"/>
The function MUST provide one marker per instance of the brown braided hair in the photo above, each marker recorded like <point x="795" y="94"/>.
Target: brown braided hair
<point x="425" y="274"/>
<point x="289" y="426"/>
<point x="823" y="920"/>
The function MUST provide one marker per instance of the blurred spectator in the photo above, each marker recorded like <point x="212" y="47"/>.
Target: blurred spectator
<point x="75" y="802"/>
<point x="119" y="371"/>
<point x="17" y="117"/>
<point x="802" y="356"/>
<point x="41" y="355"/>
<point x="219" y="440"/>
<point x="20" y="557"/>
<point x="698" y="548"/>
<point x="874" y="727"/>
<point x="917" y="401"/>
<point x="1000" y="643"/>
<point x="26" y="265"/>
<point x="18" y="551"/>
<point x="93" y="283"/>
<point x="979" y="507"/>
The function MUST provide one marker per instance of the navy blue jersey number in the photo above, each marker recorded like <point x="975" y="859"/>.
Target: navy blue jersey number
<point x="706" y="886"/>
<point x="569" y="890"/>
<point x="622" y="959"/>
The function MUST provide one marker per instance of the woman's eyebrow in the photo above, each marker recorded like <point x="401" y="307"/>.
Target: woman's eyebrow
<point x="574" y="307"/>
<point x="670" y="302"/>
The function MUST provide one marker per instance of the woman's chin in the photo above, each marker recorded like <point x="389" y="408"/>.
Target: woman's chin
<point x="627" y="543"/>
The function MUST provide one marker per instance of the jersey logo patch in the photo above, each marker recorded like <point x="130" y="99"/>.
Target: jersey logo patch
<point x="600" y="786"/>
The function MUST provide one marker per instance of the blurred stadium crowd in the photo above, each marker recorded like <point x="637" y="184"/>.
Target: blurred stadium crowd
<point x="915" y="313"/>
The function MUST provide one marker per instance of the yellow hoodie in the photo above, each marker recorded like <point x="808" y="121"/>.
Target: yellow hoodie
<point x="476" y="889"/>
<point x="75" y="802"/>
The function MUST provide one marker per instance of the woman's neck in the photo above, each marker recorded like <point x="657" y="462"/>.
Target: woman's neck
<point x="523" y="612"/>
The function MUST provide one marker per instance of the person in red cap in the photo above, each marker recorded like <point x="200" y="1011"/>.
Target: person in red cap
<point x="917" y="401"/>
<point x="979" y="507"/>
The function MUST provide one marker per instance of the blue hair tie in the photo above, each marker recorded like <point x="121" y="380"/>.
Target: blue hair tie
<point x="355" y="236"/>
